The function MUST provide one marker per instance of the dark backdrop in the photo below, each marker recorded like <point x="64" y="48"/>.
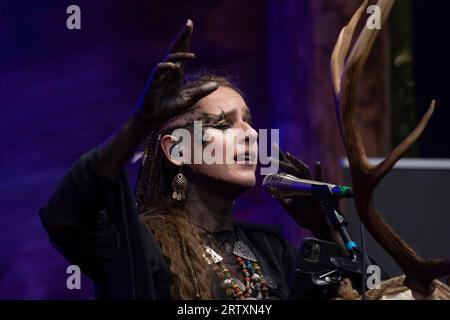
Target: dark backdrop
<point x="62" y="92"/>
<point x="432" y="65"/>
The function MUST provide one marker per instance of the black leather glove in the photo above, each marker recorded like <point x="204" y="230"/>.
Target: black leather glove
<point x="163" y="95"/>
<point x="162" y="98"/>
<point x="308" y="212"/>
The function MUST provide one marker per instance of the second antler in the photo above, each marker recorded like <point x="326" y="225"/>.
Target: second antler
<point x="346" y="70"/>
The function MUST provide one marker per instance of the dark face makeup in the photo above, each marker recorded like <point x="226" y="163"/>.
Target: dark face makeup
<point x="225" y="117"/>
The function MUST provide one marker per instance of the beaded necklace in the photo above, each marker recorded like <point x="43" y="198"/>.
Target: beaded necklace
<point x="254" y="286"/>
<point x="254" y="281"/>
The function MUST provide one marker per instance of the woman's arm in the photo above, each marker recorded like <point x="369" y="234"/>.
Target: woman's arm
<point x="162" y="98"/>
<point x="85" y="216"/>
<point x="76" y="219"/>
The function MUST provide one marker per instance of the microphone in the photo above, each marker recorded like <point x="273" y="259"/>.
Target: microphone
<point x="284" y="185"/>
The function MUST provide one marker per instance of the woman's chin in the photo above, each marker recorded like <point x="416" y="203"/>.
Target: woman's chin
<point x="246" y="181"/>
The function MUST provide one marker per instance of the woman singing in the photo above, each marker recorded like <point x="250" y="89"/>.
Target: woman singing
<point x="176" y="237"/>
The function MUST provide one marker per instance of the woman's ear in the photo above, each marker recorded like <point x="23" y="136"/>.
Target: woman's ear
<point x="172" y="149"/>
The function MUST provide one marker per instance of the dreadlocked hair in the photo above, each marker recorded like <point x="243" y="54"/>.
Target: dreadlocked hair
<point x="181" y="244"/>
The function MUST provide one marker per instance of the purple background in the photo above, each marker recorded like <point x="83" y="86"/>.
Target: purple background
<point x="65" y="91"/>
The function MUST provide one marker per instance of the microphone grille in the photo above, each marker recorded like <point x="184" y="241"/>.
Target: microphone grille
<point x="267" y="181"/>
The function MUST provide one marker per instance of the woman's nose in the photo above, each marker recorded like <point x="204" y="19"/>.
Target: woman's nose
<point x="251" y="135"/>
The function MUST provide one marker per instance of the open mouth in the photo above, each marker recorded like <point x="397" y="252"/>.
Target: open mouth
<point x="246" y="157"/>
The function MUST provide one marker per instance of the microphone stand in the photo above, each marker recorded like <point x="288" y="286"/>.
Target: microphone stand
<point x="340" y="224"/>
<point x="348" y="264"/>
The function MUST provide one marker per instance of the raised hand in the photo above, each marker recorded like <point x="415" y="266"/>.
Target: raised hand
<point x="163" y="95"/>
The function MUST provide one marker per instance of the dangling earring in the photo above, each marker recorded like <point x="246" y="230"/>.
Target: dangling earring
<point x="179" y="185"/>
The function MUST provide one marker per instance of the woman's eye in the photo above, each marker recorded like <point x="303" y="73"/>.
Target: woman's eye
<point x="223" y="125"/>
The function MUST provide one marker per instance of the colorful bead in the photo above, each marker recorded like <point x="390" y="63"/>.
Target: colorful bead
<point x="255" y="277"/>
<point x="254" y="281"/>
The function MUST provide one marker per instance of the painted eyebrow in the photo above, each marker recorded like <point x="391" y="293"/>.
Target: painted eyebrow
<point x="229" y="113"/>
<point x="246" y="116"/>
<point x="213" y="119"/>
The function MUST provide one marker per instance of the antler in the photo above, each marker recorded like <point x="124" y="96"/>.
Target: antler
<point x="346" y="72"/>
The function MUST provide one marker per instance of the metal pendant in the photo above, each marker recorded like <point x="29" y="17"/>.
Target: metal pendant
<point x="214" y="256"/>
<point x="242" y="250"/>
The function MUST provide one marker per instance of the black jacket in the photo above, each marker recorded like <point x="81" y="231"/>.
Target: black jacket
<point x="94" y="223"/>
